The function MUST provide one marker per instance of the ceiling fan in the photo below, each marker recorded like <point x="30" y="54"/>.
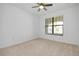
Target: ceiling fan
<point x="41" y="6"/>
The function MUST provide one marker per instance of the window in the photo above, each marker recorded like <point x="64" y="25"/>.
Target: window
<point x="54" y="25"/>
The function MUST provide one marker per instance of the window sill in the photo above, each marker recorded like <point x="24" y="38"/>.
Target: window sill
<point x="55" y="34"/>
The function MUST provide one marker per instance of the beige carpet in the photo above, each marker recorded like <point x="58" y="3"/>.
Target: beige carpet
<point x="41" y="47"/>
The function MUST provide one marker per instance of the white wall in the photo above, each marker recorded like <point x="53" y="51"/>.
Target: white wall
<point x="78" y="22"/>
<point x="36" y="26"/>
<point x="16" y="25"/>
<point x="70" y="25"/>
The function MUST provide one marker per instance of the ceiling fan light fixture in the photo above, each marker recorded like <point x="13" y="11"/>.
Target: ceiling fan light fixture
<point x="41" y="7"/>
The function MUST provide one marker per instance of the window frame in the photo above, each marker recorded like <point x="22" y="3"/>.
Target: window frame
<point x="46" y="26"/>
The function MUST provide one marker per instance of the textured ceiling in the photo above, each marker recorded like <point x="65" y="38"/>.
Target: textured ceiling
<point x="55" y="7"/>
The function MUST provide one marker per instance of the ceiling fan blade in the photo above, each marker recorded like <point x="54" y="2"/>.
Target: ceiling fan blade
<point x="35" y="6"/>
<point x="39" y="9"/>
<point x="48" y="5"/>
<point x="45" y="9"/>
<point x="40" y="3"/>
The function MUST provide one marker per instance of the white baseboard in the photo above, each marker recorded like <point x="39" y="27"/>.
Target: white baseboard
<point x="22" y="41"/>
<point x="14" y="43"/>
<point x="61" y="41"/>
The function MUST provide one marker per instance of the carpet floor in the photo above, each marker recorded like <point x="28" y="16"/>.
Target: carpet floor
<point x="41" y="47"/>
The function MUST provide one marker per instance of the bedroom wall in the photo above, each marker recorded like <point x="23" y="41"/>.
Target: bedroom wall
<point x="70" y="25"/>
<point x="78" y="22"/>
<point x="16" y="25"/>
<point x="36" y="26"/>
